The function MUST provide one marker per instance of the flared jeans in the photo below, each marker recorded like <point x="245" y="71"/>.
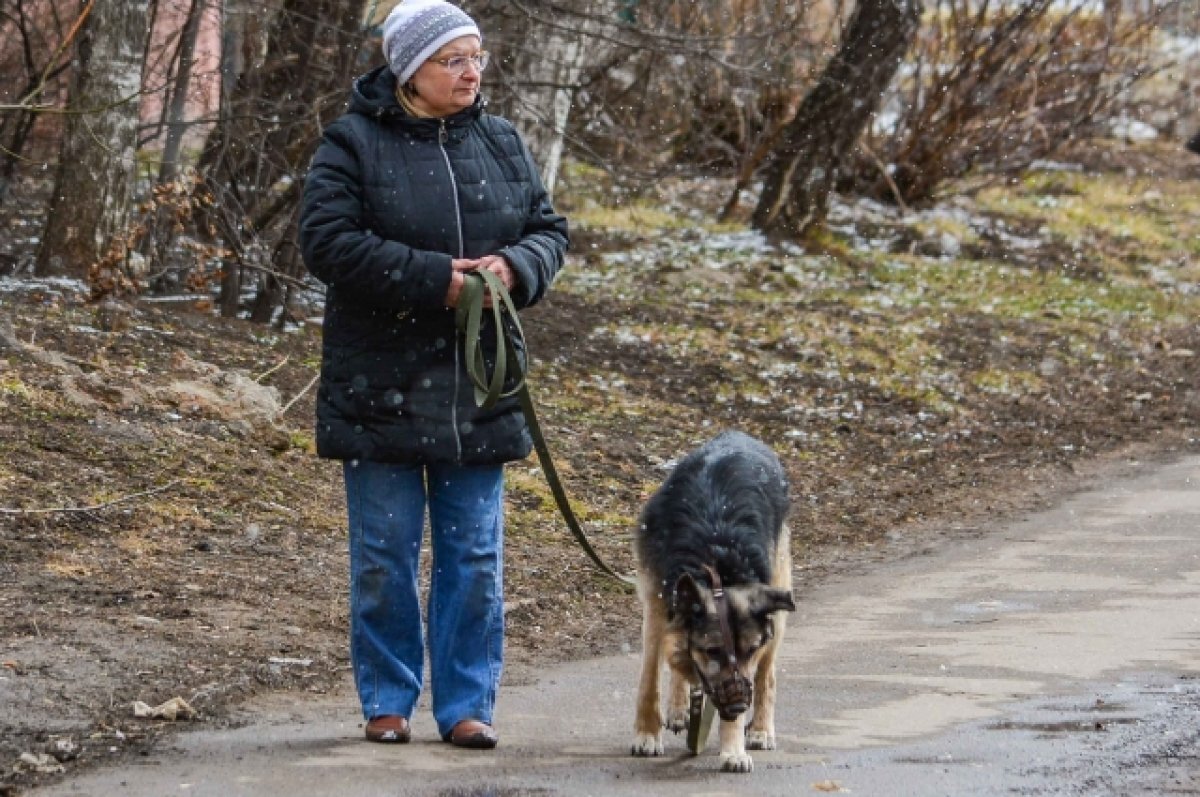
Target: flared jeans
<point x="386" y="506"/>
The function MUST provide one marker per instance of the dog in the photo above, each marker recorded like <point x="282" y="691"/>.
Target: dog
<point x="714" y="577"/>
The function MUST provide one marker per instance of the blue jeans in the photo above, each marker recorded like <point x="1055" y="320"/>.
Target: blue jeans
<point x="386" y="507"/>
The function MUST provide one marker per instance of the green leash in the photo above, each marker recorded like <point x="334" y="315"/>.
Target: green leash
<point x="700" y="720"/>
<point x="488" y="390"/>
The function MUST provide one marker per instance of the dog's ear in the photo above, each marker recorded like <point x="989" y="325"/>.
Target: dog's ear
<point x="771" y="599"/>
<point x="687" y="600"/>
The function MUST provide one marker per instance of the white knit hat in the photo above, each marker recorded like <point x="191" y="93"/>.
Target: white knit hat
<point x="416" y="29"/>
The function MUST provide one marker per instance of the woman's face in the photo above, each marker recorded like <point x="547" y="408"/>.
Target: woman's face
<point x="440" y="92"/>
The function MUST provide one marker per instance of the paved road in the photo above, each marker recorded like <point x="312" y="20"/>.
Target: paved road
<point x="1055" y="655"/>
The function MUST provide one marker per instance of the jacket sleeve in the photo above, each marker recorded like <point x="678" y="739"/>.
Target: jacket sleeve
<point x="342" y="252"/>
<point x="538" y="256"/>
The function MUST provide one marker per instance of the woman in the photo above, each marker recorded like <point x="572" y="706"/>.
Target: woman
<point x="411" y="189"/>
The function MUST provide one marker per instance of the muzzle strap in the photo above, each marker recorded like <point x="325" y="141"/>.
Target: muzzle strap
<point x="731" y="693"/>
<point x="723" y="615"/>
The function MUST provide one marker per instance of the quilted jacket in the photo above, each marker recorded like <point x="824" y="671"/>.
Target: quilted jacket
<point x="389" y="200"/>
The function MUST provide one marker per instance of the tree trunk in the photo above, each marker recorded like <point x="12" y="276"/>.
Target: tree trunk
<point x="14" y="132"/>
<point x="273" y="290"/>
<point x="160" y="232"/>
<point x="542" y="116"/>
<point x="804" y="166"/>
<point x="552" y="63"/>
<point x="176" y="114"/>
<point x="544" y="50"/>
<point x="93" y="194"/>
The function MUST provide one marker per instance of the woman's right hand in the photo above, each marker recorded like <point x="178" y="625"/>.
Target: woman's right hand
<point x="457" y="269"/>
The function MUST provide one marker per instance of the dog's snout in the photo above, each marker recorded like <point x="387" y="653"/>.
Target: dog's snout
<point x="732" y="711"/>
<point x="733" y="696"/>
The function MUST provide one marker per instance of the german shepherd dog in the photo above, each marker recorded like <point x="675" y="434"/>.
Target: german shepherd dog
<point x="715" y="580"/>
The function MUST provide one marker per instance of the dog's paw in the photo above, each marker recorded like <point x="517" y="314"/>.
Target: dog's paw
<point x="736" y="762"/>
<point x="646" y="744"/>
<point x="760" y="740"/>
<point x="677" y="722"/>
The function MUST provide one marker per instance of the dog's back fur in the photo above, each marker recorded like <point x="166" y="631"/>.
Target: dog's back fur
<point x="723" y="505"/>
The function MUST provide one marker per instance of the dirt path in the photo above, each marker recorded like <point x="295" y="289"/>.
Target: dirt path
<point x="1054" y="654"/>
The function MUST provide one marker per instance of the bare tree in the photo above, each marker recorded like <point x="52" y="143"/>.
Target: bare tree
<point x="93" y="195"/>
<point x="803" y="167"/>
<point x="38" y="43"/>
<point x="270" y="124"/>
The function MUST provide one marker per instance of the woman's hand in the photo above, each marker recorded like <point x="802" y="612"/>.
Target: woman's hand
<point x="458" y="268"/>
<point x="501" y="268"/>
<point x="493" y="263"/>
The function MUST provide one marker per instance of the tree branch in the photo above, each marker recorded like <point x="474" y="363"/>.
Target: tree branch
<point x="93" y="508"/>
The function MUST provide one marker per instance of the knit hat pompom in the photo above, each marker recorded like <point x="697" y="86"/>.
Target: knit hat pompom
<point x="416" y="29"/>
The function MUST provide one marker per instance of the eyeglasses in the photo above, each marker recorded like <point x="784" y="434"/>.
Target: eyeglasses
<point x="457" y="64"/>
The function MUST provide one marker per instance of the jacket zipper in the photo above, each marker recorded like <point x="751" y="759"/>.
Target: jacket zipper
<point x="443" y="135"/>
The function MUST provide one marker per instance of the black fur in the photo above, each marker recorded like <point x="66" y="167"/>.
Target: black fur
<point x="1193" y="143"/>
<point x="724" y="506"/>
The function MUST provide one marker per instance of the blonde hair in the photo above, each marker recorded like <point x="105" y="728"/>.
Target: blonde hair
<point x="404" y="95"/>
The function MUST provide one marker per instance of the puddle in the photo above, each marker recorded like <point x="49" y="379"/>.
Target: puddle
<point x="1063" y="726"/>
<point x="492" y="791"/>
<point x="941" y="760"/>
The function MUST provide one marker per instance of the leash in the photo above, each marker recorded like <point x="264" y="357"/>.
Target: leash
<point x="700" y="719"/>
<point x="488" y="390"/>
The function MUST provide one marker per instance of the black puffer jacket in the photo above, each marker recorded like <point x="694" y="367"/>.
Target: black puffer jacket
<point x="388" y="201"/>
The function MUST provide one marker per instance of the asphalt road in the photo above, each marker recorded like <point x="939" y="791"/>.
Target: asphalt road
<point x="1058" y="654"/>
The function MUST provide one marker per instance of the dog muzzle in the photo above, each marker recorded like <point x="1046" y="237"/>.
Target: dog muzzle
<point x="731" y="693"/>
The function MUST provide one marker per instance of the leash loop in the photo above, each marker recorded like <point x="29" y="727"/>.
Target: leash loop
<point x="469" y="319"/>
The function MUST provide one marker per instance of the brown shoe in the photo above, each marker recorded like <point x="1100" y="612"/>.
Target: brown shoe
<point x="474" y="735"/>
<point x="389" y="729"/>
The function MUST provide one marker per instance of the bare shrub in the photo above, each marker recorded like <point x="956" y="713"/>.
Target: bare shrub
<point x="994" y="87"/>
<point x="174" y="207"/>
<point x="701" y="87"/>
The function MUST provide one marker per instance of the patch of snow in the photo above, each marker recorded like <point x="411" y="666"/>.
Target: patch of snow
<point x="1178" y="46"/>
<point x="886" y="124"/>
<point x="50" y="284"/>
<point x="747" y="240"/>
<point x="1055" y="166"/>
<point x="174" y="298"/>
<point x="1133" y="129"/>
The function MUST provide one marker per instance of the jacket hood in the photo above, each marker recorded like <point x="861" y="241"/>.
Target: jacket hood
<point x="374" y="95"/>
